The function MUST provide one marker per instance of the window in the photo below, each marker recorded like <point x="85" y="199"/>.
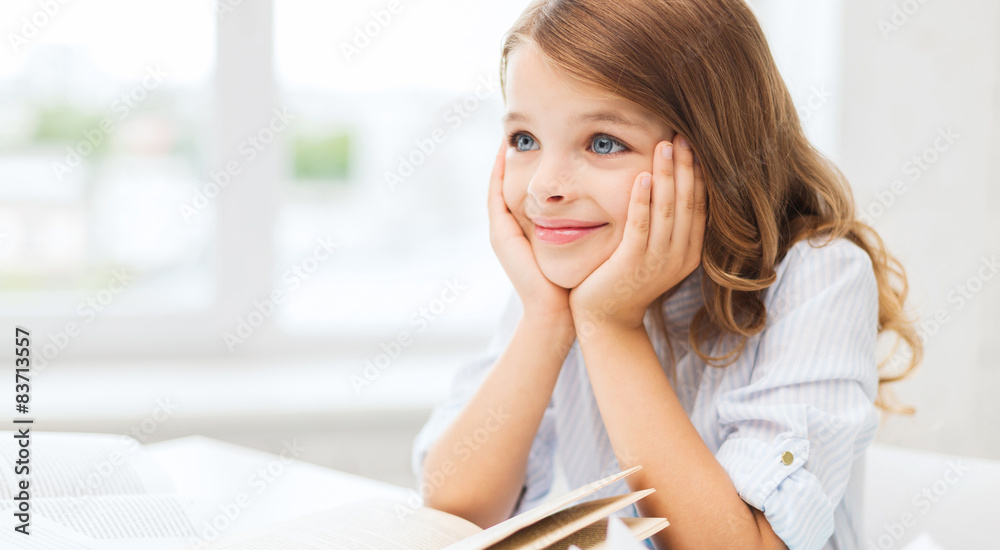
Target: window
<point x="100" y="141"/>
<point x="805" y="41"/>
<point x="169" y="172"/>
<point x="393" y="108"/>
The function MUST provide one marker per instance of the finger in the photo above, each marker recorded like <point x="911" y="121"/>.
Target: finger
<point x="502" y="221"/>
<point x="700" y="210"/>
<point x="684" y="183"/>
<point x="636" y="233"/>
<point x="495" y="202"/>
<point x="663" y="206"/>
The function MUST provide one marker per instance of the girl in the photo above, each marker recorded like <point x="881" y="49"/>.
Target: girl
<point x="694" y="293"/>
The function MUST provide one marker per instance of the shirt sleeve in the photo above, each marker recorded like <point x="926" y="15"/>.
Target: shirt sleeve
<point x="791" y="434"/>
<point x="539" y="475"/>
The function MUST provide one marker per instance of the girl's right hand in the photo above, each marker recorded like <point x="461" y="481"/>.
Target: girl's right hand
<point x="539" y="296"/>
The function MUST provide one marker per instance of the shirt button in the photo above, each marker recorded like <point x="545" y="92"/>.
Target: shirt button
<point x="786" y="458"/>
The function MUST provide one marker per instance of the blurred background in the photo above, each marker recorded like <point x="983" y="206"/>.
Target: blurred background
<point x="215" y="216"/>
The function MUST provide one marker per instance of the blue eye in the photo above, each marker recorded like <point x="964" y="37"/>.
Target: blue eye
<point x="602" y="144"/>
<point x="605" y="145"/>
<point x="518" y="140"/>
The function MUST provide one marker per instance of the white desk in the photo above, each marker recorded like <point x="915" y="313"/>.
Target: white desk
<point x="957" y="511"/>
<point x="224" y="474"/>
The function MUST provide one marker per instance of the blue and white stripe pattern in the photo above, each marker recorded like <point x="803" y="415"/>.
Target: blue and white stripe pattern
<point x="805" y="385"/>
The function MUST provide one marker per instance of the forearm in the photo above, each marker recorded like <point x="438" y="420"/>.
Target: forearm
<point x="480" y="478"/>
<point x="647" y="425"/>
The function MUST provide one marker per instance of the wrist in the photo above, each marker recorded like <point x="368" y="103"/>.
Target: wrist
<point x="587" y="321"/>
<point x="595" y="332"/>
<point x="556" y="327"/>
<point x="547" y="317"/>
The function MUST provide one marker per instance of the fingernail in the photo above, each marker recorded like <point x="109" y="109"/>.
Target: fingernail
<point x="682" y="142"/>
<point x="645" y="180"/>
<point x="668" y="151"/>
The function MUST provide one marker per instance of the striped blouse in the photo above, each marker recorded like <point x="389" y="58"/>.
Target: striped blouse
<point x="805" y="385"/>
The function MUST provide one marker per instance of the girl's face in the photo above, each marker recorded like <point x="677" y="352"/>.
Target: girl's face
<point x="573" y="153"/>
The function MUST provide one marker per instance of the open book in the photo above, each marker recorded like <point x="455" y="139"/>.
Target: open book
<point x="90" y="492"/>
<point x="387" y="525"/>
<point x="106" y="492"/>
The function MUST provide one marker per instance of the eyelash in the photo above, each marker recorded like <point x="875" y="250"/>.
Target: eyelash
<point x="512" y="136"/>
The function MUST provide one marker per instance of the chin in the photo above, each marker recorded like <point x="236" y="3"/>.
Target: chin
<point x="565" y="274"/>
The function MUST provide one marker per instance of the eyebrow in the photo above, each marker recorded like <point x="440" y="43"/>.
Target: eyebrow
<point x="599" y="116"/>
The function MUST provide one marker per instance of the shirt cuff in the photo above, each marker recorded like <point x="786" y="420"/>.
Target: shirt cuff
<point x="771" y="478"/>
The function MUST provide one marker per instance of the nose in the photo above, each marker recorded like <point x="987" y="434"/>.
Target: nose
<point x="545" y="193"/>
<point x="553" y="181"/>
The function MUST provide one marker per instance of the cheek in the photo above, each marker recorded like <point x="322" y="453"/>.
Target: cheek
<point x="615" y="201"/>
<point x="514" y="190"/>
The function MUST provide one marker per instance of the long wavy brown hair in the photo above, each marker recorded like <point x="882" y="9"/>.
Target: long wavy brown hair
<point x="705" y="68"/>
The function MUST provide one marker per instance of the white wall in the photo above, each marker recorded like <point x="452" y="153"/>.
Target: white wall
<point x="938" y="71"/>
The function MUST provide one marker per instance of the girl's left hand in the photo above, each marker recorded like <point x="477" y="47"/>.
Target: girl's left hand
<point x="661" y="244"/>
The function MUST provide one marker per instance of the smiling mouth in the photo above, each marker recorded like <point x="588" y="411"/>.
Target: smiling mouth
<point x="564" y="235"/>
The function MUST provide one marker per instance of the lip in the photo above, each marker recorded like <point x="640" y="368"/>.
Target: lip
<point x="564" y="223"/>
<point x="563" y="230"/>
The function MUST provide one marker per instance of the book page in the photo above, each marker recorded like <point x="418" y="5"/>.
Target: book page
<point x="44" y="534"/>
<point x="375" y="524"/>
<point x="154" y="522"/>
<point x="565" y="522"/>
<point x="504" y="529"/>
<point x="82" y="464"/>
<point x="596" y="535"/>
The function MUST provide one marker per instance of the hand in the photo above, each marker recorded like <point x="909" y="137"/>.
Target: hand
<point x="661" y="244"/>
<point x="539" y="296"/>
